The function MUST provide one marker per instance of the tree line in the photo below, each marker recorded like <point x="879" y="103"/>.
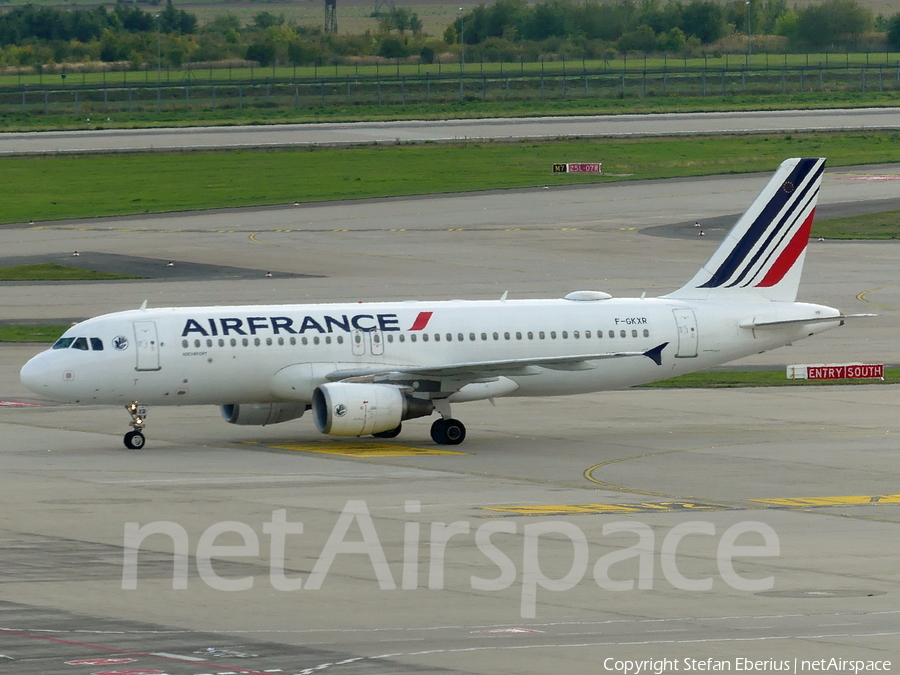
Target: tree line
<point x="509" y="30"/>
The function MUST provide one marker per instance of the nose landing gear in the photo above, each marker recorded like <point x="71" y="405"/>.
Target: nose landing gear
<point x="134" y="440"/>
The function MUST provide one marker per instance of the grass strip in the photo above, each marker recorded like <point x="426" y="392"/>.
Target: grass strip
<point x="55" y="187"/>
<point x="756" y="378"/>
<point x="54" y="272"/>
<point x="199" y="115"/>
<point x="883" y="225"/>
<point x="31" y="333"/>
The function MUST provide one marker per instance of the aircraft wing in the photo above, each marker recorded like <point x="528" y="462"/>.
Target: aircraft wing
<point x="476" y="370"/>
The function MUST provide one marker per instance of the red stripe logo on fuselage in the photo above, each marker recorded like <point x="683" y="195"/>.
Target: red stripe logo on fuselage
<point x="421" y="321"/>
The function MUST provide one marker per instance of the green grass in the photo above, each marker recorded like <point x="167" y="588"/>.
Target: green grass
<point x="31" y="333"/>
<point x="389" y="68"/>
<point x="757" y="378"/>
<point x="884" y="225"/>
<point x="201" y="115"/>
<point x="54" y="187"/>
<point x="54" y="272"/>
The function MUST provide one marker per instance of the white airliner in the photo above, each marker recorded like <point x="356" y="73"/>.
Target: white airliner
<point x="364" y="368"/>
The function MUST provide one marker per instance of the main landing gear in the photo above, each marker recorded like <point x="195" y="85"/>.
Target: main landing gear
<point x="446" y="430"/>
<point x="134" y="440"/>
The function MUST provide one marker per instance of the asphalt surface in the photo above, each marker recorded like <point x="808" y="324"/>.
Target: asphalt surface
<point x="817" y="467"/>
<point x="350" y="133"/>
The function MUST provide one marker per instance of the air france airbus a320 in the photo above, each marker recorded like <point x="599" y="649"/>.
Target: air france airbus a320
<point x="364" y="368"/>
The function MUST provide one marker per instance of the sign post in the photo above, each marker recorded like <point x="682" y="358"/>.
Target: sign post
<point x="836" y="371"/>
<point x="578" y="167"/>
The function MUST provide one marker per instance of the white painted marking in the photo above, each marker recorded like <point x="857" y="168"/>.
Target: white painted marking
<point x="176" y="656"/>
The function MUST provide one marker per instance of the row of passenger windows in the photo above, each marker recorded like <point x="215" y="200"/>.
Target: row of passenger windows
<point x="414" y="337"/>
<point x="96" y="344"/>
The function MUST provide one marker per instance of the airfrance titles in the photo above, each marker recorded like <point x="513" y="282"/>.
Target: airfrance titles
<point x="275" y="325"/>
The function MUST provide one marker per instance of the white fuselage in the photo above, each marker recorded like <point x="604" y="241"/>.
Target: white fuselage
<point x="261" y="354"/>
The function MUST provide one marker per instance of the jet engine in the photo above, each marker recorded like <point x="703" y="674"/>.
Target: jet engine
<point x="355" y="409"/>
<point x="261" y="414"/>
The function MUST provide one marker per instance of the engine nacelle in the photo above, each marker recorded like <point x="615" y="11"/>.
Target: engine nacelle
<point x="261" y="414"/>
<point x="355" y="409"/>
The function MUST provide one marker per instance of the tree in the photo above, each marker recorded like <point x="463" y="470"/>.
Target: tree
<point x="832" y="22"/>
<point x="703" y="19"/>
<point x="893" y="31"/>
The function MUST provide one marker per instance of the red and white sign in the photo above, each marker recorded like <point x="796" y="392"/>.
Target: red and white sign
<point x="583" y="168"/>
<point x="99" y="662"/>
<point x="836" y="371"/>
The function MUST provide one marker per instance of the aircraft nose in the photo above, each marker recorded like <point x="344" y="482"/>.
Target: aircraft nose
<point x="36" y="375"/>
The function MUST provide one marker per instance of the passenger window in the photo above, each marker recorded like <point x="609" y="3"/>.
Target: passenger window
<point x="496" y="336"/>
<point x="412" y="338"/>
<point x="402" y="337"/>
<point x="63" y="343"/>
<point x="634" y="333"/>
<point x="565" y="335"/>
<point x="437" y="337"/>
<point x="587" y="334"/>
<point x="340" y="339"/>
<point x="530" y="335"/>
<point x="461" y="337"/>
<point x="80" y="343"/>
<point x="472" y="337"/>
<point x="293" y="341"/>
<point x="424" y="337"/>
<point x="233" y="342"/>
<point x="256" y="342"/>
<point x="268" y="342"/>
<point x="506" y="336"/>
<point x="484" y="336"/>
<point x="245" y="342"/>
<point x="552" y="334"/>
<point x="280" y="341"/>
<point x="612" y="333"/>
<point x="221" y="342"/>
<point x="328" y="339"/>
<point x="575" y="334"/>
<point x="184" y="343"/>
<point x="541" y="334"/>
<point x="316" y="340"/>
<point x="196" y="344"/>
<point x="390" y="338"/>
<point x="304" y="340"/>
<point x="209" y="343"/>
<point x="621" y="333"/>
<point x="97" y="344"/>
<point x="518" y="336"/>
<point x="646" y="333"/>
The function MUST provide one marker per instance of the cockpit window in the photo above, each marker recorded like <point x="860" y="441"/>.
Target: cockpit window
<point x="97" y="344"/>
<point x="63" y="343"/>
<point x="80" y="343"/>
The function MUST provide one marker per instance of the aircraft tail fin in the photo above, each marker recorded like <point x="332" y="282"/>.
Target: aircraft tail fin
<point x="762" y="256"/>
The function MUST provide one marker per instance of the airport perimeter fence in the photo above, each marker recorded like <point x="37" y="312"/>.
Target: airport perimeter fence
<point x="351" y="90"/>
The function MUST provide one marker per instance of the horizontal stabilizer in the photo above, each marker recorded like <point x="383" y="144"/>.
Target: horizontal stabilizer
<point x="752" y="323"/>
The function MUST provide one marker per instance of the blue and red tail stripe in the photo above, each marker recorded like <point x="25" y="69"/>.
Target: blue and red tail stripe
<point x="760" y="257"/>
